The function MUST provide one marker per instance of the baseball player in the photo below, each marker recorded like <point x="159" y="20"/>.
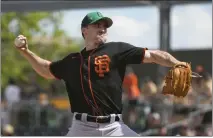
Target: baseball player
<point x="94" y="77"/>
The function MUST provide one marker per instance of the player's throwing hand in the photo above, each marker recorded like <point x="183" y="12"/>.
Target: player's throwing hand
<point x="21" y="43"/>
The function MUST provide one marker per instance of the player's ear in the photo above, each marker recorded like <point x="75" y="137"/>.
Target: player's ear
<point x="84" y="30"/>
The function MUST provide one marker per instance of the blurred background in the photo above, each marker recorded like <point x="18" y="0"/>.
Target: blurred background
<point x="33" y="106"/>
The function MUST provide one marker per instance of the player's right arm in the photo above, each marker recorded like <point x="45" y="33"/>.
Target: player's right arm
<point x="41" y="66"/>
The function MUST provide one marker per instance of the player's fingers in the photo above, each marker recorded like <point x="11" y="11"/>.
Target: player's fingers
<point x="22" y="37"/>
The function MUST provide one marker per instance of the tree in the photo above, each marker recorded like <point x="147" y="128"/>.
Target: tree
<point x="44" y="37"/>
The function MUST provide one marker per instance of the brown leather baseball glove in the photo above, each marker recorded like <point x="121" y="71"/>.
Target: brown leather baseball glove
<point x="178" y="80"/>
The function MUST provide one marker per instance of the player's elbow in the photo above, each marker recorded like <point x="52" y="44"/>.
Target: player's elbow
<point x="49" y="77"/>
<point x="45" y="72"/>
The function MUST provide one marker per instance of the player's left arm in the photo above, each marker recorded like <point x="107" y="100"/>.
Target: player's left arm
<point x="129" y="54"/>
<point x="160" y="57"/>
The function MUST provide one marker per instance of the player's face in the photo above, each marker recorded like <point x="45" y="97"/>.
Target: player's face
<point x="97" y="32"/>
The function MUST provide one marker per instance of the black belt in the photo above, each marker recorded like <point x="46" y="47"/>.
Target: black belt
<point x="97" y="119"/>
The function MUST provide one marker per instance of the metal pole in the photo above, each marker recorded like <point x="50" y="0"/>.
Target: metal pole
<point x="164" y="10"/>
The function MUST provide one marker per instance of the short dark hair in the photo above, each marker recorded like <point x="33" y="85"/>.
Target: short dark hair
<point x="82" y="32"/>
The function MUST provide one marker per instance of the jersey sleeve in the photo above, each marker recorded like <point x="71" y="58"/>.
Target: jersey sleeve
<point x="129" y="54"/>
<point x="58" y="68"/>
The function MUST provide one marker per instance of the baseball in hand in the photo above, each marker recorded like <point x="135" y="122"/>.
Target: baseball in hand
<point x="19" y="42"/>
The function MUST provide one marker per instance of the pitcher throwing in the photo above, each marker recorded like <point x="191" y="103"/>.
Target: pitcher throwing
<point x="94" y="77"/>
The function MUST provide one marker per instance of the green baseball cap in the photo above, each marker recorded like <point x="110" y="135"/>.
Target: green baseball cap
<point x="93" y="17"/>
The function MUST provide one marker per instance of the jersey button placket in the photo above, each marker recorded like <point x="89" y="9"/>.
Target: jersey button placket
<point x="89" y="81"/>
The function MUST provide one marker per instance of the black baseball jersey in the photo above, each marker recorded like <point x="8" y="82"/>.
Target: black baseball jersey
<point x="94" y="78"/>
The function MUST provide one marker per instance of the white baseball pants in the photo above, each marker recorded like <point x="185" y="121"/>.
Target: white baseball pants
<point x="84" y="128"/>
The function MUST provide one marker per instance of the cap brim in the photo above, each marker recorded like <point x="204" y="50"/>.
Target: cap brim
<point x="107" y="19"/>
